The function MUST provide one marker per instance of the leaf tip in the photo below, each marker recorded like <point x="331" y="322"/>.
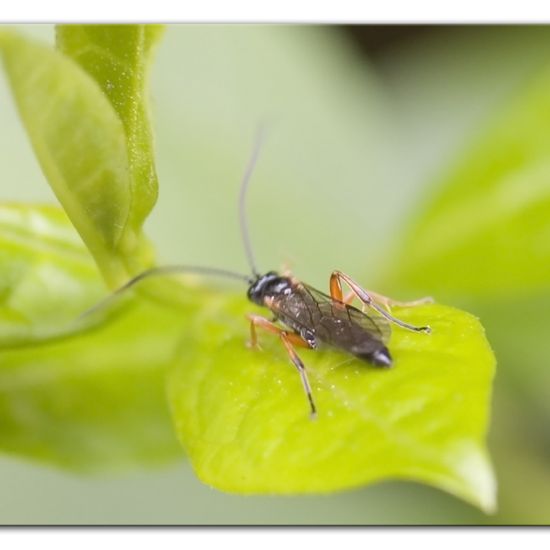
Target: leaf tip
<point x="474" y="468"/>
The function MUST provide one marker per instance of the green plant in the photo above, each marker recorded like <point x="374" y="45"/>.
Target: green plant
<point x="91" y="395"/>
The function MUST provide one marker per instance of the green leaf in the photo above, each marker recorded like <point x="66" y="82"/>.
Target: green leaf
<point x="85" y="397"/>
<point x="242" y="415"/>
<point x="82" y="145"/>
<point x="118" y="59"/>
<point x="486" y="231"/>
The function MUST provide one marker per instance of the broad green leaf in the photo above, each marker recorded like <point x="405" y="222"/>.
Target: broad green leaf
<point x="486" y="231"/>
<point x="93" y="398"/>
<point x="242" y="416"/>
<point x="118" y="58"/>
<point x="81" y="144"/>
<point x="88" y="397"/>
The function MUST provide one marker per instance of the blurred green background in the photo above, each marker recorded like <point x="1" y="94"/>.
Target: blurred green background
<point x="360" y="120"/>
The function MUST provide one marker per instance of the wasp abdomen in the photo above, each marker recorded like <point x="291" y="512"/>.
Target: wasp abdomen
<point x="380" y="357"/>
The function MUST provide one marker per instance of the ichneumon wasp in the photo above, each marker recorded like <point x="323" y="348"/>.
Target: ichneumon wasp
<point x="301" y="315"/>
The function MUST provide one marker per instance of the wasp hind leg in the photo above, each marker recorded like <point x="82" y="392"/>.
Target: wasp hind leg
<point x="373" y="300"/>
<point x="289" y="340"/>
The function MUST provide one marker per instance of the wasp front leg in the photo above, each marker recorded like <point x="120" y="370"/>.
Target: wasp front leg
<point x="289" y="340"/>
<point x="372" y="299"/>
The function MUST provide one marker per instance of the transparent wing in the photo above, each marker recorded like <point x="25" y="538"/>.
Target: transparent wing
<point x="326" y="306"/>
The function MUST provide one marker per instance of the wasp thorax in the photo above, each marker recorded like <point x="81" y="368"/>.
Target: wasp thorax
<point x="269" y="285"/>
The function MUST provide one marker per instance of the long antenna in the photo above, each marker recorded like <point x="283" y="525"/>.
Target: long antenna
<point x="242" y="201"/>
<point x="166" y="270"/>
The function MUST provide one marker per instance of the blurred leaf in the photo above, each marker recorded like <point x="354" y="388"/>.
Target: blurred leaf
<point x="81" y="144"/>
<point x="243" y="418"/>
<point x="483" y="240"/>
<point x="87" y="399"/>
<point x="93" y="401"/>
<point x="47" y="277"/>
<point x="486" y="231"/>
<point x="118" y="59"/>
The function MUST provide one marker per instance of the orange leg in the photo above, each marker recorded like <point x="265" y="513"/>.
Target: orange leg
<point x="289" y="340"/>
<point x="370" y="299"/>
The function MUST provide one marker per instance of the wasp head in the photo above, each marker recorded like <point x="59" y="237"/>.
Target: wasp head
<point x="269" y="285"/>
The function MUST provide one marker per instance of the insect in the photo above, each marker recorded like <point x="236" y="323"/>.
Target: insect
<point x="302" y="316"/>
